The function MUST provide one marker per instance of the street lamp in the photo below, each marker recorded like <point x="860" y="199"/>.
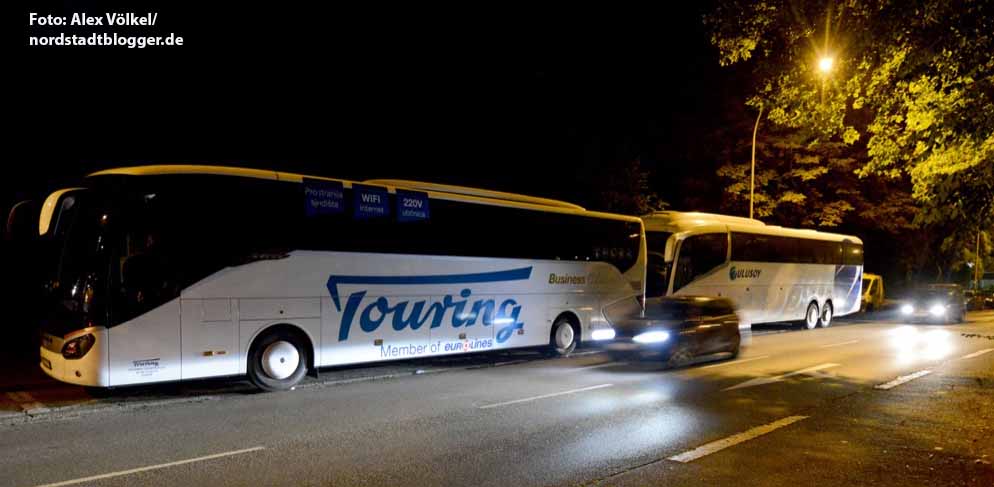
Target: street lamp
<point x="752" y="172"/>
<point x="825" y="64"/>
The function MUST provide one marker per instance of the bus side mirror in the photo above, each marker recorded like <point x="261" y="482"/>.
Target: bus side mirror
<point x="22" y="222"/>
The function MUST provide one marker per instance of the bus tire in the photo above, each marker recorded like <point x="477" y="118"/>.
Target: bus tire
<point x="825" y="319"/>
<point x="277" y="361"/>
<point x="564" y="338"/>
<point x="811" y="317"/>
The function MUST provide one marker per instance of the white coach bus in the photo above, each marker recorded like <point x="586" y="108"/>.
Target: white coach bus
<point x="179" y="272"/>
<point x="771" y="273"/>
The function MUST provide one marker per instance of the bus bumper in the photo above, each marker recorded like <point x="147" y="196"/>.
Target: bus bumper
<point x="88" y="370"/>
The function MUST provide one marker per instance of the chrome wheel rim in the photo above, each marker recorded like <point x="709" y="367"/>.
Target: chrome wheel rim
<point x="280" y="360"/>
<point x="812" y="318"/>
<point x="564" y="336"/>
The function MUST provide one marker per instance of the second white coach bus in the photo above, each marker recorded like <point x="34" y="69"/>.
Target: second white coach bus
<point x="179" y="272"/>
<point x="771" y="273"/>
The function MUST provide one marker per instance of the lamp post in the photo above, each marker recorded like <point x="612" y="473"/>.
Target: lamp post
<point x="752" y="172"/>
<point x="976" y="264"/>
<point x="825" y="65"/>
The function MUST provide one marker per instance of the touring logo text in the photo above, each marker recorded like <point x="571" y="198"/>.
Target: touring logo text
<point x="413" y="314"/>
<point x="734" y="273"/>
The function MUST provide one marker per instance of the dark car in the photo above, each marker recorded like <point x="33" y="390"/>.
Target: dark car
<point x="677" y="329"/>
<point x="944" y="303"/>
<point x="979" y="300"/>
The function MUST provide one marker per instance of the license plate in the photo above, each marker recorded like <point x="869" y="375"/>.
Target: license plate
<point x="47" y="363"/>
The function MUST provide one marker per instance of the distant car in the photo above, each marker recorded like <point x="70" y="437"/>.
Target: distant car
<point x="676" y="329"/>
<point x="936" y="302"/>
<point x="873" y="292"/>
<point x="979" y="300"/>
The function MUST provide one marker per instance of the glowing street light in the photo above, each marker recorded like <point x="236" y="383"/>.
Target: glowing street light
<point x="825" y="64"/>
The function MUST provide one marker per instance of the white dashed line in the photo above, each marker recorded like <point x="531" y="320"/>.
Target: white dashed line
<point x="718" y="445"/>
<point x="153" y="467"/>
<point x="734" y="362"/>
<point x="759" y="381"/>
<point x="978" y="353"/>
<point x="545" y="396"/>
<point x="839" y="344"/>
<point x="901" y="380"/>
<point x="598" y="366"/>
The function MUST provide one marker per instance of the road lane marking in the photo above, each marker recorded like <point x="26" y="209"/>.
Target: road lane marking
<point x="734" y="362"/>
<point x="27" y="402"/>
<point x="598" y="366"/>
<point x="901" y="380"/>
<point x="545" y="396"/>
<point x="718" y="445"/>
<point x="839" y="344"/>
<point x="759" y="381"/>
<point x="978" y="353"/>
<point x="154" y="467"/>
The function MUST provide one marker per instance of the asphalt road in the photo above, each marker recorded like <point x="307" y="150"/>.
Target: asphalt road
<point x="839" y="406"/>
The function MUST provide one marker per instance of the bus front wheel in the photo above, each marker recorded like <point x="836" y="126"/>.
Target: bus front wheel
<point x="277" y="361"/>
<point x="812" y="317"/>
<point x="564" y="337"/>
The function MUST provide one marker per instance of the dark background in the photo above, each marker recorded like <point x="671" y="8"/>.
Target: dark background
<point x="542" y="101"/>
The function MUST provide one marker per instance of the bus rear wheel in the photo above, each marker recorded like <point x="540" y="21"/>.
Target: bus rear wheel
<point x="564" y="337"/>
<point x="811" y="317"/>
<point x="277" y="361"/>
<point x="826" y="316"/>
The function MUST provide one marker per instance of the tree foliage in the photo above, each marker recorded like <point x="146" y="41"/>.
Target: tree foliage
<point x="813" y="185"/>
<point x="912" y="85"/>
<point x="625" y="189"/>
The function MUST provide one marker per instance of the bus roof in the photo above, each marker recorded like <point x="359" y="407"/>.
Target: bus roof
<point x="677" y="222"/>
<point x="693" y="218"/>
<point x="463" y="190"/>
<point x="439" y="191"/>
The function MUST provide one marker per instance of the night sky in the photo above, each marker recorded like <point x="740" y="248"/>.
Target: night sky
<point x="512" y="98"/>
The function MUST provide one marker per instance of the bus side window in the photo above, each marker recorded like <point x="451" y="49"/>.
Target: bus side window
<point x="699" y="254"/>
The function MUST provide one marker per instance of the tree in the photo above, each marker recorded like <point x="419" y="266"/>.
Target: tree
<point x="625" y="189"/>
<point x="912" y="82"/>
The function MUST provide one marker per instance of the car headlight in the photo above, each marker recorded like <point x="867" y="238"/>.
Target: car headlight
<point x="603" y="334"/>
<point x="907" y="309"/>
<point x="652" y="337"/>
<point x="937" y="309"/>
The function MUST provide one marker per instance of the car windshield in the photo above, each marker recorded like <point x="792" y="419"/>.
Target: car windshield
<point x="935" y="292"/>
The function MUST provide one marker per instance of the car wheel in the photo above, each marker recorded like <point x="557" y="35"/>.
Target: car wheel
<point x="826" y="316"/>
<point x="812" y="317"/>
<point x="277" y="361"/>
<point x="564" y="337"/>
<point x="736" y="347"/>
<point x="680" y="356"/>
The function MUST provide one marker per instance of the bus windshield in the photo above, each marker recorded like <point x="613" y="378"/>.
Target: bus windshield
<point x="79" y="288"/>
<point x="657" y="269"/>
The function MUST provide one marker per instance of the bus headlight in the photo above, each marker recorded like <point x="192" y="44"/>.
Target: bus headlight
<point x="937" y="310"/>
<point x="907" y="309"/>
<point x="652" y="337"/>
<point x="77" y="347"/>
<point x="602" y="334"/>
